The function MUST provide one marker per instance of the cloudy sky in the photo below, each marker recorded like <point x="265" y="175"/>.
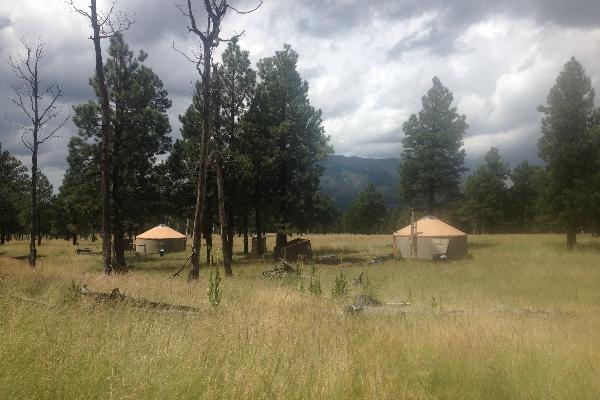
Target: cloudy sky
<point x="367" y="62"/>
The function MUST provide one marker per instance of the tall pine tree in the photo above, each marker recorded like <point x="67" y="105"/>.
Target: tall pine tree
<point x="287" y="130"/>
<point x="486" y="193"/>
<point x="432" y="159"/>
<point x="139" y="133"/>
<point x="14" y="191"/>
<point x="567" y="146"/>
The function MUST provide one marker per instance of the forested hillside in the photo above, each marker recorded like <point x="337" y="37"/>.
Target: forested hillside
<point x="345" y="177"/>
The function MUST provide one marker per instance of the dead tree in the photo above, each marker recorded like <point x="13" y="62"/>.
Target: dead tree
<point x="209" y="38"/>
<point x="104" y="26"/>
<point x="39" y="103"/>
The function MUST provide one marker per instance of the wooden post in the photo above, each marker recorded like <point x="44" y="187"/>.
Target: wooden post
<point x="412" y="232"/>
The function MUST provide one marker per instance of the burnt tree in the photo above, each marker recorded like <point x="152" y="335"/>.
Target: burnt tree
<point x="39" y="104"/>
<point x="104" y="27"/>
<point x="209" y="38"/>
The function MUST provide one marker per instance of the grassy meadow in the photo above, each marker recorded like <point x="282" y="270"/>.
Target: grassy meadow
<point x="519" y="319"/>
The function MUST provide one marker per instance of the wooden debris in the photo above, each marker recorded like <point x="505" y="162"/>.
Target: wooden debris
<point x="282" y="270"/>
<point x="336" y="259"/>
<point x="116" y="297"/>
<point x="368" y="304"/>
<point x="33" y="301"/>
<point x="182" y="267"/>
<point x="87" y="250"/>
<point x="295" y="249"/>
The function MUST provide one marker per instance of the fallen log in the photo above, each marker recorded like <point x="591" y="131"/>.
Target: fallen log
<point x="33" y="301"/>
<point x="182" y="267"/>
<point x="116" y="297"/>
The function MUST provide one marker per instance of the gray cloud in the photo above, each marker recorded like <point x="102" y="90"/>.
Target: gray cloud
<point x="4" y="22"/>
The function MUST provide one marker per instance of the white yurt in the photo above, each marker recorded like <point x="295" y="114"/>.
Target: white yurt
<point x="434" y="238"/>
<point x="160" y="237"/>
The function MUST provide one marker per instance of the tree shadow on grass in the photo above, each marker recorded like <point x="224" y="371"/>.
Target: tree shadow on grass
<point x="240" y="258"/>
<point x="485" y="245"/>
<point x="589" y="246"/>
<point x="26" y="257"/>
<point x="160" y="268"/>
<point x="332" y="250"/>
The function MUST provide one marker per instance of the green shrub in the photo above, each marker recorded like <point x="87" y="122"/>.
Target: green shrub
<point x="214" y="288"/>
<point x="315" y="282"/>
<point x="340" y="287"/>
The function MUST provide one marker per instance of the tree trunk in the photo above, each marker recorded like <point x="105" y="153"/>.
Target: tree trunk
<point x="119" y="248"/>
<point x="33" y="225"/>
<point x="223" y="220"/>
<point x="571" y="236"/>
<point x="245" y="229"/>
<point x="260" y="251"/>
<point x="39" y="232"/>
<point x="201" y="187"/>
<point x="219" y="166"/>
<point x="2" y="235"/>
<point x="430" y="201"/>
<point x="230" y="231"/>
<point x="280" y="243"/>
<point x="105" y="162"/>
<point x="117" y="228"/>
<point x="34" y="171"/>
<point x="281" y="236"/>
<point x="208" y="241"/>
<point x="74" y="238"/>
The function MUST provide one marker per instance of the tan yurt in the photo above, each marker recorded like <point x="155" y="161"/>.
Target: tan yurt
<point x="160" y="237"/>
<point x="433" y="237"/>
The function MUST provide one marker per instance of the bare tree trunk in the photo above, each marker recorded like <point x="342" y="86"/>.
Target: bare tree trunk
<point x="34" y="167"/>
<point x="230" y="231"/>
<point x="201" y="187"/>
<point x="210" y="39"/>
<point x="245" y="229"/>
<point x="105" y="161"/>
<point x="430" y="201"/>
<point x="260" y="251"/>
<point x="34" y="179"/>
<point x="39" y="233"/>
<point x="74" y="238"/>
<point x="207" y="233"/>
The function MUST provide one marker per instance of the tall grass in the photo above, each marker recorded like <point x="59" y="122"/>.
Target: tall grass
<point x="520" y="319"/>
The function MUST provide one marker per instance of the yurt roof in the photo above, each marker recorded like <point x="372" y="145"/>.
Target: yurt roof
<point x="431" y="227"/>
<point x="161" y="232"/>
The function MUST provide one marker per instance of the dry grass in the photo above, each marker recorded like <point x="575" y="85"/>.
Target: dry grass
<point x="520" y="319"/>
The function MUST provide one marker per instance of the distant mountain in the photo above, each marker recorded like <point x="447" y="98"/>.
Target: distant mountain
<point x="345" y="177"/>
